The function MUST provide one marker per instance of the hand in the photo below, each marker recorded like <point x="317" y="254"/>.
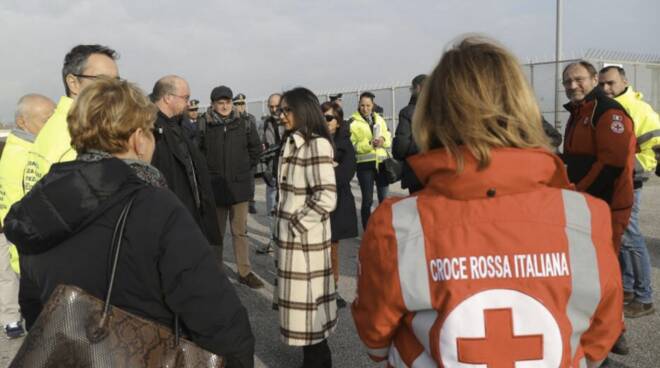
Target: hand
<point x="378" y="142"/>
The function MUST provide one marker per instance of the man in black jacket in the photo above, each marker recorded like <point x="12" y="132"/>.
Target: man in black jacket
<point x="179" y="160"/>
<point x="404" y="145"/>
<point x="230" y="142"/>
<point x="240" y="106"/>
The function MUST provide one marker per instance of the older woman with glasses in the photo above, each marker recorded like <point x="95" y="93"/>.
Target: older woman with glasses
<point x="63" y="229"/>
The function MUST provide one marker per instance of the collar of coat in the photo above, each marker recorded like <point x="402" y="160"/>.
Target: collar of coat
<point x="297" y="139"/>
<point x="595" y="93"/>
<point x="511" y="170"/>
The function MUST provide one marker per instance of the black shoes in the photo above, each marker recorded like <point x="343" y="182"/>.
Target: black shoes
<point x="621" y="346"/>
<point x="341" y="303"/>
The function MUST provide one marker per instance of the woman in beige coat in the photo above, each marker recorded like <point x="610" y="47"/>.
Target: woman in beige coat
<point x="307" y="195"/>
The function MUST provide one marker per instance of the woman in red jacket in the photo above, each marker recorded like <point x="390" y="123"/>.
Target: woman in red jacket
<point x="496" y="260"/>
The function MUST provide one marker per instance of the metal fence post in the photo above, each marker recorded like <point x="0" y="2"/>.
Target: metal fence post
<point x="394" y="118"/>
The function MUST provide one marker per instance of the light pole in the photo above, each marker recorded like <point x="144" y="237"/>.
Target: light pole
<point x="557" y="65"/>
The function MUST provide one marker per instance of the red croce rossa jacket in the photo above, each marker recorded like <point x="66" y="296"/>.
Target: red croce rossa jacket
<point x="599" y="152"/>
<point x="489" y="266"/>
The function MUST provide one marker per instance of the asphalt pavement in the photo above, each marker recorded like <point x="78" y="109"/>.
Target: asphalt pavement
<point x="643" y="333"/>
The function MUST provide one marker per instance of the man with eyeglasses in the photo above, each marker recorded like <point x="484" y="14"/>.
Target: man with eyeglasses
<point x="179" y="159"/>
<point x="82" y="66"/>
<point x="240" y="104"/>
<point x="230" y="142"/>
<point x="599" y="150"/>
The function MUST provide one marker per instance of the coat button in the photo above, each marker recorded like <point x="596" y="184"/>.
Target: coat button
<point x="491" y="192"/>
<point x="284" y="178"/>
<point x="291" y="141"/>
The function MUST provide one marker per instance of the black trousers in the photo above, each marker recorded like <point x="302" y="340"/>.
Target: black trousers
<point x="317" y="356"/>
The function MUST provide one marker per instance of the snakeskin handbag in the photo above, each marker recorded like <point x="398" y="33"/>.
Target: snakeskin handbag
<point x="76" y="330"/>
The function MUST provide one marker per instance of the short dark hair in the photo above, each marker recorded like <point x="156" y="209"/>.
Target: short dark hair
<point x="339" y="112"/>
<point x="585" y="64"/>
<point x="367" y="94"/>
<point x="305" y="107"/>
<point x="616" y="67"/>
<point x="418" y="80"/>
<point x="76" y="60"/>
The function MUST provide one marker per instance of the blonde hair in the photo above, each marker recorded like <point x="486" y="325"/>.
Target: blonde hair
<point x="105" y="115"/>
<point x="477" y="97"/>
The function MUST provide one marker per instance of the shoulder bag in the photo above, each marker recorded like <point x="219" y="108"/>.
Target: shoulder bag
<point x="76" y="329"/>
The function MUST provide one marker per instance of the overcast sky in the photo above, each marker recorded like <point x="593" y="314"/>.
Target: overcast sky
<point x="257" y="47"/>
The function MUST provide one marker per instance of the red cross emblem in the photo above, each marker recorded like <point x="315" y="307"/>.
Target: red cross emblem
<point x="500" y="348"/>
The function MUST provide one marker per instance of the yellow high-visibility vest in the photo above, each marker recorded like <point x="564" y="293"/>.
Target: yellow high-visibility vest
<point x="647" y="131"/>
<point x="362" y="136"/>
<point x="53" y="145"/>
<point x="12" y="166"/>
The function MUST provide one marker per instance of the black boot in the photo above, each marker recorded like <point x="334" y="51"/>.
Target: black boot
<point x="621" y="346"/>
<point x="317" y="355"/>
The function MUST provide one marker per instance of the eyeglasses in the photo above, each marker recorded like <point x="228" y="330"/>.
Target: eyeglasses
<point x="273" y="107"/>
<point x="285" y="110"/>
<point x="329" y="118"/>
<point x="239" y="103"/>
<point x="186" y="98"/>
<point x="95" y="76"/>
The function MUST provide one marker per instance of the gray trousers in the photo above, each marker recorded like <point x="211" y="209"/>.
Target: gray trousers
<point x="9" y="312"/>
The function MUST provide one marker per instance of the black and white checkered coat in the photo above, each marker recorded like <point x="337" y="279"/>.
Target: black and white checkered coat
<point x="307" y="195"/>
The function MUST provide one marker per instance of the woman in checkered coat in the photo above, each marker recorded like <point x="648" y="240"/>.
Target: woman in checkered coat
<point x="307" y="195"/>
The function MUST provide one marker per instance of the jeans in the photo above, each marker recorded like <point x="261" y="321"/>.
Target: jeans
<point x="634" y="257"/>
<point x="368" y="176"/>
<point x="271" y="196"/>
<point x="271" y="202"/>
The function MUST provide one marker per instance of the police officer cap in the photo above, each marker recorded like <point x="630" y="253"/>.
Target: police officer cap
<point x="239" y="98"/>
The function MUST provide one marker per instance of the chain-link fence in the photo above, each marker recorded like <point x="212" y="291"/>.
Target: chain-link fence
<point x="642" y="71"/>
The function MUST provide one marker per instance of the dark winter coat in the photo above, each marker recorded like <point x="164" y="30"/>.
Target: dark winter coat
<point x="404" y="146"/>
<point x="343" y="220"/>
<point x="554" y="136"/>
<point x="165" y="265"/>
<point x="271" y="140"/>
<point x="190" y="130"/>
<point x="185" y="171"/>
<point x="231" y="147"/>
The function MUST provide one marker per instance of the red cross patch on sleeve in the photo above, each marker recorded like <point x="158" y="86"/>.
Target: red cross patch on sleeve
<point x="617" y="126"/>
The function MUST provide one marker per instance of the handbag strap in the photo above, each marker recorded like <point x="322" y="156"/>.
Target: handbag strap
<point x="117" y="236"/>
